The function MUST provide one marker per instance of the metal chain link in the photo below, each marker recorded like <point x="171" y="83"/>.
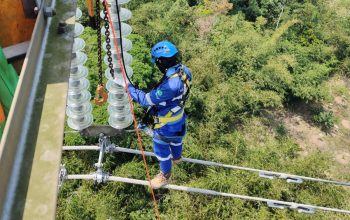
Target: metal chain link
<point x="99" y="42"/>
<point x="108" y="41"/>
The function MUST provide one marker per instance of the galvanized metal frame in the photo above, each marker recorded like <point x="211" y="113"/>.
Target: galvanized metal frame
<point x="16" y="51"/>
<point x="30" y="150"/>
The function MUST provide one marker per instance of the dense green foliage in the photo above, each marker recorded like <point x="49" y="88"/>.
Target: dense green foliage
<point x="244" y="64"/>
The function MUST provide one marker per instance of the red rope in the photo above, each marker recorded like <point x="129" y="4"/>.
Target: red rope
<point x="132" y="109"/>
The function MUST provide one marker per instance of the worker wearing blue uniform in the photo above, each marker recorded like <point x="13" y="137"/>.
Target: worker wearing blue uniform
<point x="166" y="102"/>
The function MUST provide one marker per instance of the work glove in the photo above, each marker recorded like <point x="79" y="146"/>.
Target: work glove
<point x="146" y="129"/>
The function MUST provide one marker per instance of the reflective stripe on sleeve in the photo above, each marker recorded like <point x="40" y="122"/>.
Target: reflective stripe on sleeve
<point x="176" y="144"/>
<point x="148" y="98"/>
<point x="163" y="158"/>
<point x="176" y="98"/>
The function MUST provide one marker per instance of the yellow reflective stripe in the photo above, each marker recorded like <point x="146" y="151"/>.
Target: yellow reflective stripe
<point x="168" y="118"/>
<point x="188" y="84"/>
<point x="169" y="114"/>
<point x="158" y="126"/>
<point x="184" y="78"/>
<point x="175" y="75"/>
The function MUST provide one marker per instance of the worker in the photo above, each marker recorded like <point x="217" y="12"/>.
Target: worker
<point x="166" y="103"/>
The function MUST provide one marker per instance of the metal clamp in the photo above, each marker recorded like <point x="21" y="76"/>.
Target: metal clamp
<point x="267" y="175"/>
<point x="49" y="12"/>
<point x="62" y="175"/>
<point x="294" y="180"/>
<point x="100" y="176"/>
<point x="307" y="210"/>
<point x="277" y="205"/>
<point x="110" y="148"/>
<point x="301" y="209"/>
<point x="288" y="178"/>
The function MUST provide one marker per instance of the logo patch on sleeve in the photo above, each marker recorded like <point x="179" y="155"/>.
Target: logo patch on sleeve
<point x="159" y="93"/>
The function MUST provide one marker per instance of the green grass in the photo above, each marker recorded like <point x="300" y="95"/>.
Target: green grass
<point x="236" y="78"/>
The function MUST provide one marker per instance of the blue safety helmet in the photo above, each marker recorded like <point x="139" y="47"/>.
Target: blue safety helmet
<point x="163" y="49"/>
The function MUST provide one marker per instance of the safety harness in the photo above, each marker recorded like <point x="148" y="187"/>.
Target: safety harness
<point x="177" y="112"/>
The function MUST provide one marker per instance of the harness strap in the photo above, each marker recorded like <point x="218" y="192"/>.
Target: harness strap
<point x="183" y="77"/>
<point x="168" y="118"/>
<point x="161" y="121"/>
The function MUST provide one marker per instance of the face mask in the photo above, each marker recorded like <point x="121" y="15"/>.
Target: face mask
<point x="161" y="66"/>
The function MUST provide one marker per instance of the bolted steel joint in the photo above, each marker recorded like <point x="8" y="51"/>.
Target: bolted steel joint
<point x="98" y="165"/>
<point x="49" y="12"/>
<point x="62" y="175"/>
<point x="100" y="176"/>
<point x="110" y="148"/>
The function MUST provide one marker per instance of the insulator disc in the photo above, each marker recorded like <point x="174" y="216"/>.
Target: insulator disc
<point x="118" y="99"/>
<point x="78" y="45"/>
<point x="80" y="123"/>
<point x="118" y="73"/>
<point x="79" y="58"/>
<point x="79" y="111"/>
<point x="120" y="122"/>
<point x="78" y="72"/>
<point x="78" y="29"/>
<point x="127" y="45"/>
<point x="115" y="61"/>
<point x="78" y="14"/>
<point x="126" y="30"/>
<point x="78" y="85"/>
<point x="78" y="98"/>
<point x="125" y="14"/>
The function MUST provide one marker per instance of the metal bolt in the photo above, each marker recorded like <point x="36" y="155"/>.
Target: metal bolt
<point x="49" y="12"/>
<point x="36" y="10"/>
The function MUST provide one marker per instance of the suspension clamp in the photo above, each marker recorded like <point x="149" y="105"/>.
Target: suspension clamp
<point x="110" y="148"/>
<point x="62" y="175"/>
<point x="288" y="178"/>
<point x="300" y="208"/>
<point x="100" y="176"/>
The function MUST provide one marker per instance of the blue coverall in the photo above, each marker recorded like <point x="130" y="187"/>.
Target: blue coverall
<point x="166" y="97"/>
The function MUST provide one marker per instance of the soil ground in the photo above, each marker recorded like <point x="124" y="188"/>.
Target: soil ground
<point x="310" y="137"/>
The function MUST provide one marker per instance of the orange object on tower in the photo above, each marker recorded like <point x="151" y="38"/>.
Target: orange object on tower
<point x="15" y="26"/>
<point x="2" y="115"/>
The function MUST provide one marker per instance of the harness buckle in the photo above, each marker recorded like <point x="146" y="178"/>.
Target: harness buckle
<point x="156" y="120"/>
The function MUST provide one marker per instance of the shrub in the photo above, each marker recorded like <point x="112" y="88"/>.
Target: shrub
<point x="326" y="119"/>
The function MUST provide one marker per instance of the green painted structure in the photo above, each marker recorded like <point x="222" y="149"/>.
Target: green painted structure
<point x="8" y="83"/>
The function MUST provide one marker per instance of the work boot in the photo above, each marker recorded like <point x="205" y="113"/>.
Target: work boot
<point x="160" y="180"/>
<point x="177" y="161"/>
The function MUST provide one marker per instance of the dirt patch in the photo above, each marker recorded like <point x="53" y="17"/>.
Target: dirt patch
<point x="308" y="137"/>
<point x="340" y="101"/>
<point x="205" y="24"/>
<point x="311" y="138"/>
<point x="345" y="123"/>
<point x="343" y="158"/>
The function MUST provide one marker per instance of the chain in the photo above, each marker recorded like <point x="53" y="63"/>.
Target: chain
<point x="108" y="41"/>
<point x="99" y="42"/>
